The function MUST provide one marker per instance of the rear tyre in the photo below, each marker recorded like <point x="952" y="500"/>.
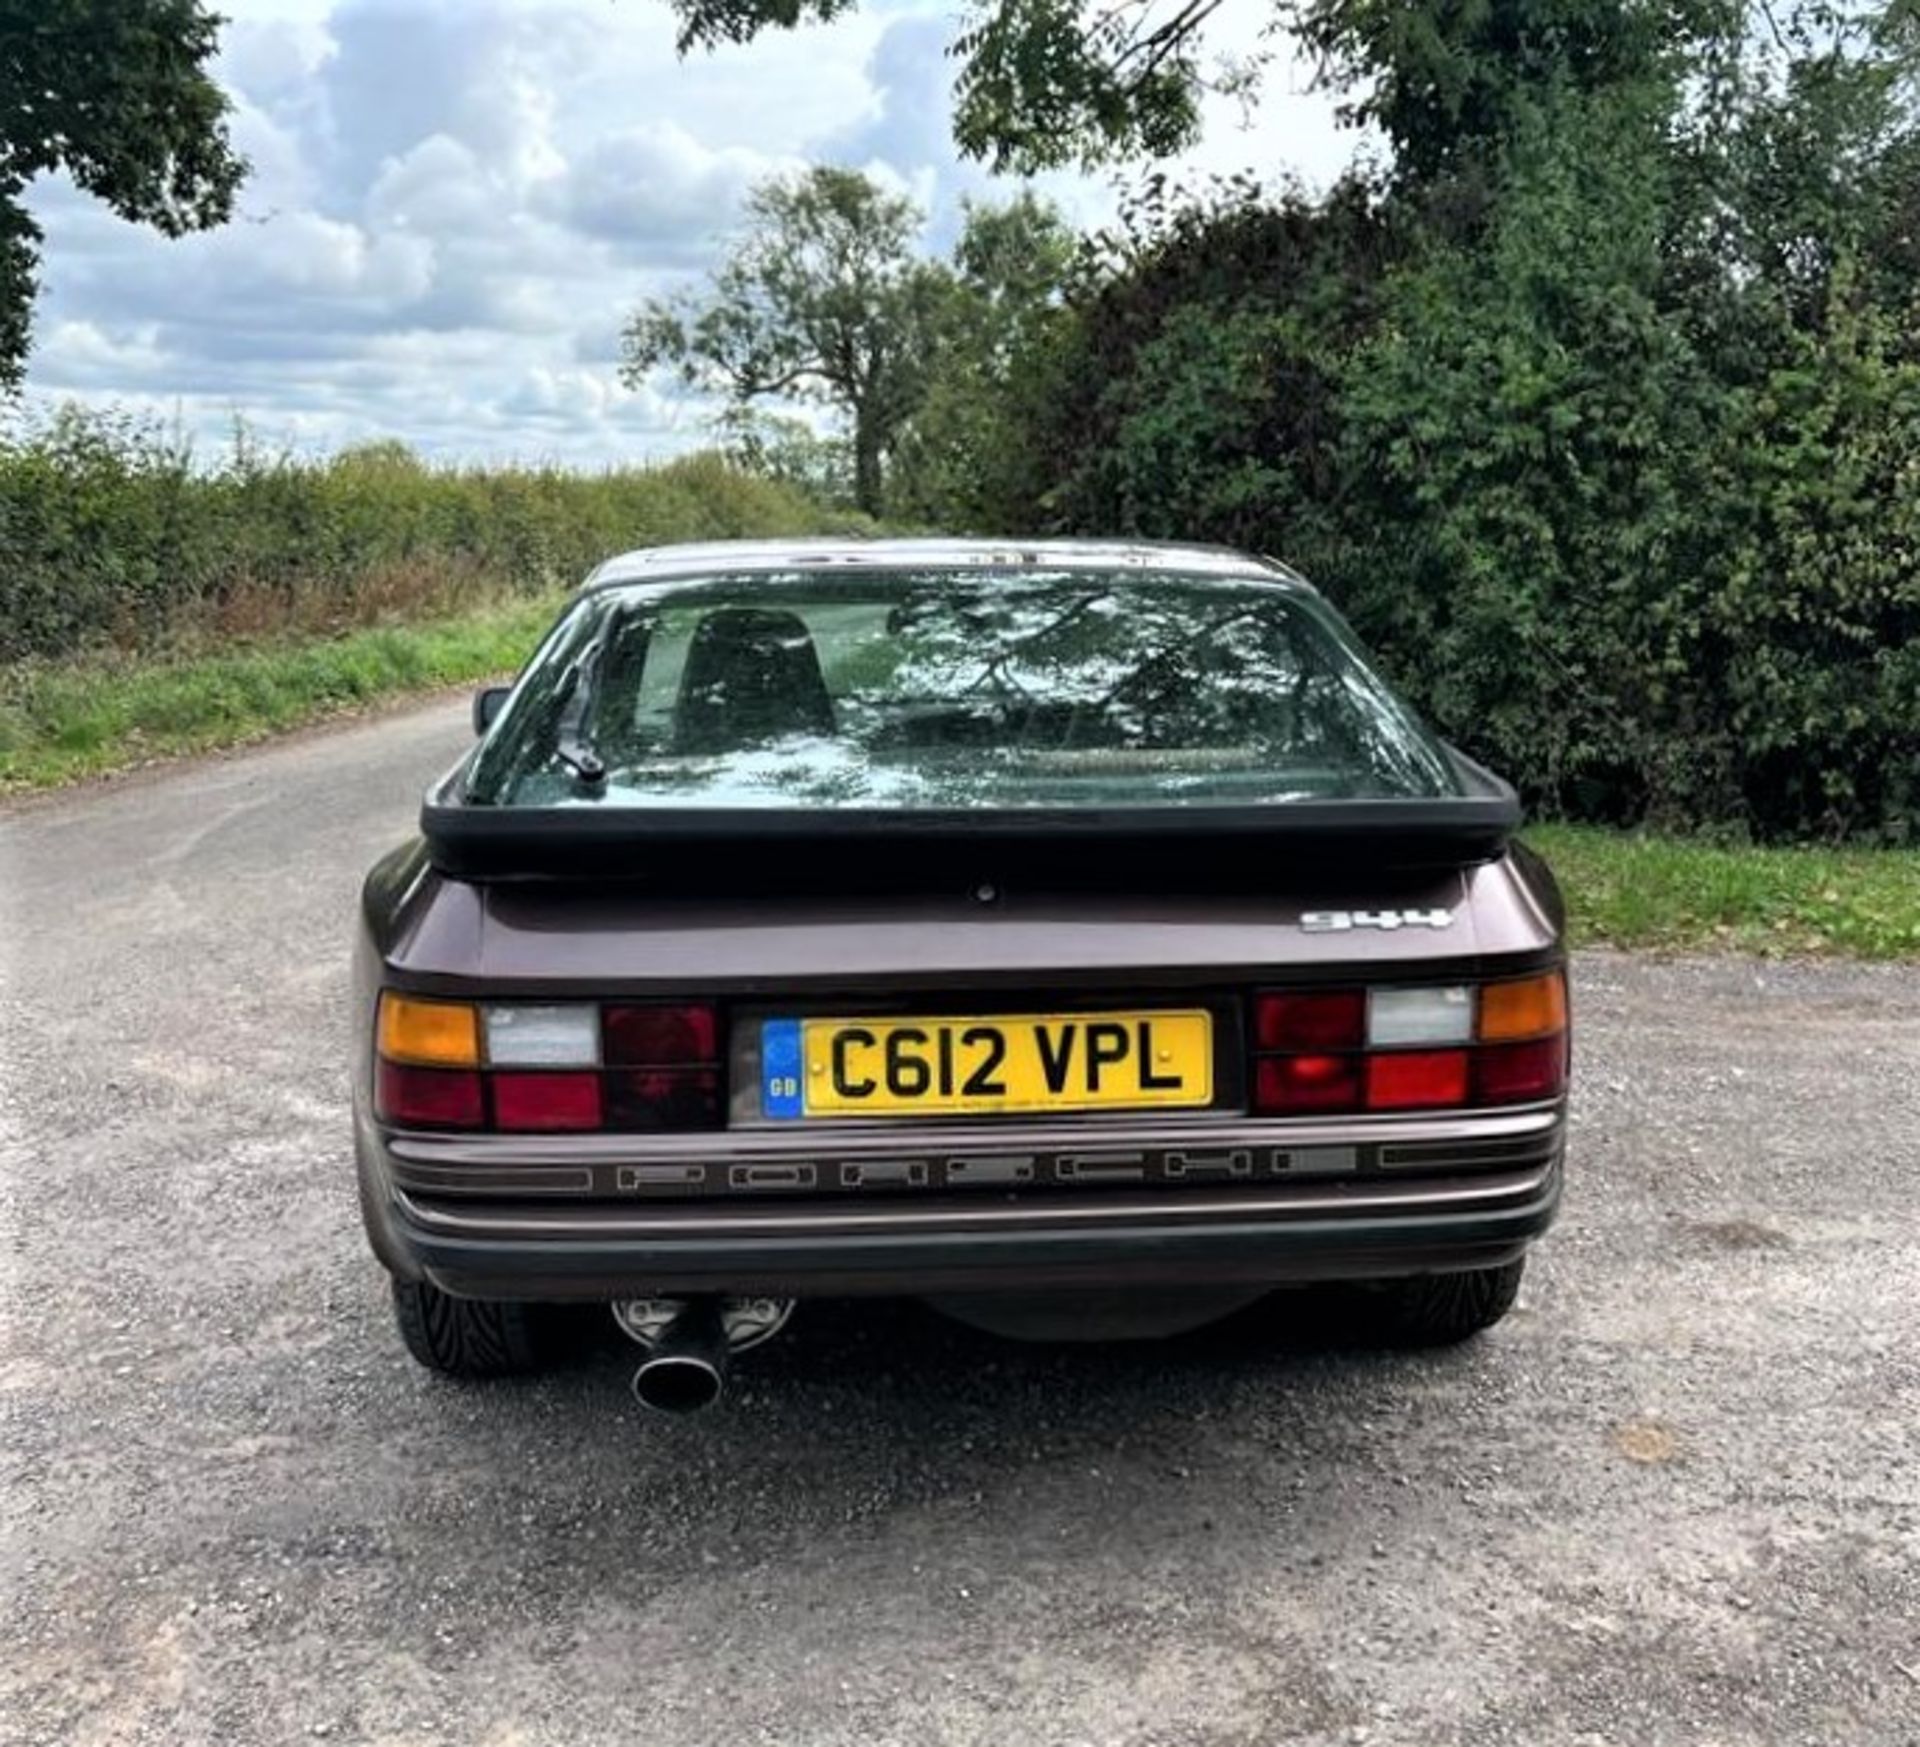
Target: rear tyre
<point x="465" y="1337"/>
<point x="1439" y="1310"/>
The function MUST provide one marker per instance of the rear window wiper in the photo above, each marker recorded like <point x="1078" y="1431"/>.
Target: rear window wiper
<point x="573" y="742"/>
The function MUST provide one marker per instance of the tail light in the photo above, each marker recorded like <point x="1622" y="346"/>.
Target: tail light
<point x="667" y="1066"/>
<point x="655" y="1099"/>
<point x="546" y="1067"/>
<point x="1297" y="1085"/>
<point x="546" y="1103"/>
<point x="429" y="1097"/>
<point x="1311" y="1022"/>
<point x="1422" y="1047"/>
<point x="1518" y="1073"/>
<point x="652" y="1037"/>
<point x="1416" y="1079"/>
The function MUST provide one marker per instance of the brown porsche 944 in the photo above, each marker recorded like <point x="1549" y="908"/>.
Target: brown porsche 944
<point x="1082" y="936"/>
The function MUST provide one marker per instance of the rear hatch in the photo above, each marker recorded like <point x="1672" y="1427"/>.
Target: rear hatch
<point x="897" y="730"/>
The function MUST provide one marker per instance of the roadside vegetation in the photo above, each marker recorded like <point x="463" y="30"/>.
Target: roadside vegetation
<point x="116" y="536"/>
<point x="60" y="721"/>
<point x="1671" y="894"/>
<point x="1592" y="397"/>
<point x="208" y="608"/>
<point x="156" y="605"/>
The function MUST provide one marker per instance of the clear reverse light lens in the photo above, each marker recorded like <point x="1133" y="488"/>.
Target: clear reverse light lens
<point x="1402" y="1016"/>
<point x="543" y="1037"/>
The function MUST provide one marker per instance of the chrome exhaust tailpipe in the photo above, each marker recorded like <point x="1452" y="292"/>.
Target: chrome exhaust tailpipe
<point x="689" y="1342"/>
<point x="687" y="1367"/>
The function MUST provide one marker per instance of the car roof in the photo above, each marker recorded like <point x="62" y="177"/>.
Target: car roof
<point x="740" y="557"/>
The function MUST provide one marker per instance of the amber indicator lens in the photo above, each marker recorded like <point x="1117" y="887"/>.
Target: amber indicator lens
<point x="442" y="1033"/>
<point x="1534" y="1007"/>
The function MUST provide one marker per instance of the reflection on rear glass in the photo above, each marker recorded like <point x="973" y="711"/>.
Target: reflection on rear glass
<point x="933" y="690"/>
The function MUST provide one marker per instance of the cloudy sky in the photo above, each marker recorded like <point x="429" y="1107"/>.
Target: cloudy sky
<point x="454" y="203"/>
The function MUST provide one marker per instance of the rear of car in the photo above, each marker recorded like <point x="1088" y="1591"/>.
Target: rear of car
<point x="1057" y="927"/>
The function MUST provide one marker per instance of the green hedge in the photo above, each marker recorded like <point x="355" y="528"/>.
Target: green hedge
<point x="1603" y="428"/>
<point x="114" y="536"/>
<point x="68" y="719"/>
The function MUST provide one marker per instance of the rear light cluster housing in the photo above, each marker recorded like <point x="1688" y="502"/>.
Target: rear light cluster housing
<point x="523" y="1067"/>
<point x="1330" y="1052"/>
<point x="584" y="1067"/>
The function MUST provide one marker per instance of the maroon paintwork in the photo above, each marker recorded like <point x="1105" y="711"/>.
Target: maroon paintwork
<point x="560" y="940"/>
<point x="429" y="934"/>
<point x="986" y="1205"/>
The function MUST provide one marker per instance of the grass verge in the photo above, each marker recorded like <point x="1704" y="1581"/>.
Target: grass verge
<point x="1676" y="894"/>
<point x="64" y="720"/>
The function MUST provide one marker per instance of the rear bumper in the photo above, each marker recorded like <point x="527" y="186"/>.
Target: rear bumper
<point x="1414" y="1198"/>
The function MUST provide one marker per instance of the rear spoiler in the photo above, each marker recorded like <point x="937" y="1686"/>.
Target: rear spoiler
<point x="707" y="850"/>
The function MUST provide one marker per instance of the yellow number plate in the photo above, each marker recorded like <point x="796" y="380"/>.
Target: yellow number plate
<point x="967" y="1066"/>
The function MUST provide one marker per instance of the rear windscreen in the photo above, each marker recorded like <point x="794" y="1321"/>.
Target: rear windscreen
<point x="934" y="690"/>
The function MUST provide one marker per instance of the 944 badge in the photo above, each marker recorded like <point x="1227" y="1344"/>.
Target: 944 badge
<point x="1339" y="921"/>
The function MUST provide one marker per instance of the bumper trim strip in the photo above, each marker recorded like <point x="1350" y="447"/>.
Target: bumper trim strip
<point x="1242" y="1243"/>
<point x="827" y="1220"/>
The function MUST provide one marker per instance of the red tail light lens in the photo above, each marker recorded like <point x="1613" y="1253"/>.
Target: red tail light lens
<point x="650" y="1099"/>
<point x="414" y="1097"/>
<point x="1518" y="1073"/>
<point x="546" y="1103"/>
<point x="1310" y="1023"/>
<point x="651" y="1037"/>
<point x="1416" y="1079"/>
<point x="1298" y="1085"/>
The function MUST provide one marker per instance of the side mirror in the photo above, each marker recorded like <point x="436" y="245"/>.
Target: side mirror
<point x="487" y="702"/>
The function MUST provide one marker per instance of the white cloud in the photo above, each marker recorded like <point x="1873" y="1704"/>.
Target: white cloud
<point x="84" y="354"/>
<point x="657" y="189"/>
<point x="273" y="59"/>
<point x="308" y="256"/>
<point x="567" y="395"/>
<point x="437" y="186"/>
<point x="455" y="204"/>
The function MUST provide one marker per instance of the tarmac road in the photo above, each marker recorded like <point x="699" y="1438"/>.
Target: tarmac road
<point x="1675" y="1498"/>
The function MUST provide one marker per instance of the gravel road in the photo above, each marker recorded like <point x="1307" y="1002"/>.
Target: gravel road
<point x="1675" y="1498"/>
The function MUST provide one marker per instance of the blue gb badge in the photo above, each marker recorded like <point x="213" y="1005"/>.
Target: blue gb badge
<point x="781" y="1069"/>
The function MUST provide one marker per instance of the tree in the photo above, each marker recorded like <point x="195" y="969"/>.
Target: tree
<point x="1042" y="82"/>
<point x="965" y="456"/>
<point x="116" y="94"/>
<point x="1598" y="411"/>
<point x="1454" y="81"/>
<point x="821" y="298"/>
<point x="788" y="450"/>
<point x="1048" y="82"/>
